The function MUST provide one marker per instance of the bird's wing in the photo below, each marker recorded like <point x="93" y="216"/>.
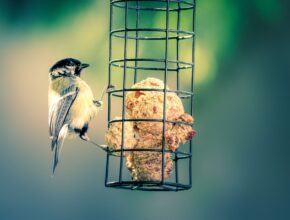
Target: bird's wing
<point x="60" y="109"/>
<point x="57" y="146"/>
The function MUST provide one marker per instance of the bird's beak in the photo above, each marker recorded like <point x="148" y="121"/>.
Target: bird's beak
<point x="84" y="65"/>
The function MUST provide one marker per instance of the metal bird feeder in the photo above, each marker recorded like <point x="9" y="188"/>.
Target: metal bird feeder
<point x="133" y="35"/>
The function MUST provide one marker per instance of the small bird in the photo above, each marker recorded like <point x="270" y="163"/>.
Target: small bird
<point x="71" y="104"/>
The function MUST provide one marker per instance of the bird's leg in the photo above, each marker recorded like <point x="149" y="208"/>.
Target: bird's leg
<point x="86" y="138"/>
<point x="107" y="89"/>
<point x="98" y="103"/>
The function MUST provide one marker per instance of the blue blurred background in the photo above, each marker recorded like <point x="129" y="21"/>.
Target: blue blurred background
<point x="241" y="154"/>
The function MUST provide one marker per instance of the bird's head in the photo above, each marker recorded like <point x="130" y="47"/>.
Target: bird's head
<point x="68" y="67"/>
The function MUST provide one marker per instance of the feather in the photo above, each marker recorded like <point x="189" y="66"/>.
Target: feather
<point x="59" y="110"/>
<point x="70" y="109"/>
<point x="56" y="145"/>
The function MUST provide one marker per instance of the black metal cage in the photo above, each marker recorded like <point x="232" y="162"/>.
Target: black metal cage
<point x="132" y="35"/>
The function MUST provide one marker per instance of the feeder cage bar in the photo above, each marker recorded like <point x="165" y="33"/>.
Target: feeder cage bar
<point x="133" y="35"/>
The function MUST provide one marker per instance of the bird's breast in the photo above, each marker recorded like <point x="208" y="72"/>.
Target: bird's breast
<point x="83" y="109"/>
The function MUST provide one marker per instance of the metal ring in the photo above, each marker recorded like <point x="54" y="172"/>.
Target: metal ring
<point x="180" y="64"/>
<point x="150" y="150"/>
<point x="178" y="34"/>
<point x="150" y="120"/>
<point x="184" y="5"/>
<point x="149" y="185"/>
<point x="181" y="94"/>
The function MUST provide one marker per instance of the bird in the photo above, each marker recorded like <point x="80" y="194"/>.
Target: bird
<point x="71" y="105"/>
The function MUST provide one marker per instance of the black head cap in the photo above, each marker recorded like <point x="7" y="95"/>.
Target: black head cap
<point x="65" y="62"/>
<point x="69" y="63"/>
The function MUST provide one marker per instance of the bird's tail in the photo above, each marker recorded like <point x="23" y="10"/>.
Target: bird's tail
<point x="56" y="146"/>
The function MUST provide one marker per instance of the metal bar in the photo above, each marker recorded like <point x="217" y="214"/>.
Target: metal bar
<point x="165" y="91"/>
<point x="177" y="45"/>
<point x="153" y="30"/>
<point x="192" y="89"/>
<point x="150" y="120"/>
<point x="137" y="41"/>
<point x="180" y="93"/>
<point x="109" y="83"/>
<point x="186" y="34"/>
<point x="124" y="97"/>
<point x="118" y="63"/>
<point x="110" y="59"/>
<point x="150" y="150"/>
<point x="188" y="5"/>
<point x="151" y="59"/>
<point x="178" y="80"/>
<point x="107" y="168"/>
<point x="149" y="185"/>
<point x="113" y="152"/>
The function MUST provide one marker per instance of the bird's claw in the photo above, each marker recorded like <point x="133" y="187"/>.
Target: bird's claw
<point x="110" y="88"/>
<point x="98" y="103"/>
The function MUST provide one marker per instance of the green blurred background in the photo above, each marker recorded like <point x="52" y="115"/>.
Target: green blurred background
<point x="240" y="155"/>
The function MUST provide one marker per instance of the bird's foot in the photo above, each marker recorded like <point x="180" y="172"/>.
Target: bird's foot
<point x="107" y="89"/>
<point x="98" y="103"/>
<point x="110" y="88"/>
<point x="85" y="137"/>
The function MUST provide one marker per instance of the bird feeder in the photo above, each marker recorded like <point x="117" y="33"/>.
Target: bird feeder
<point x="132" y="22"/>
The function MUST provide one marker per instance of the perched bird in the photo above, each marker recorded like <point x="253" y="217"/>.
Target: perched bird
<point x="71" y="104"/>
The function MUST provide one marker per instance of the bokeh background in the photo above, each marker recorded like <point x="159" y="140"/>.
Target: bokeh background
<point x="240" y="156"/>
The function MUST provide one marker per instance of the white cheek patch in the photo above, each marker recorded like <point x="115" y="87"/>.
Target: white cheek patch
<point x="71" y="68"/>
<point x="59" y="72"/>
